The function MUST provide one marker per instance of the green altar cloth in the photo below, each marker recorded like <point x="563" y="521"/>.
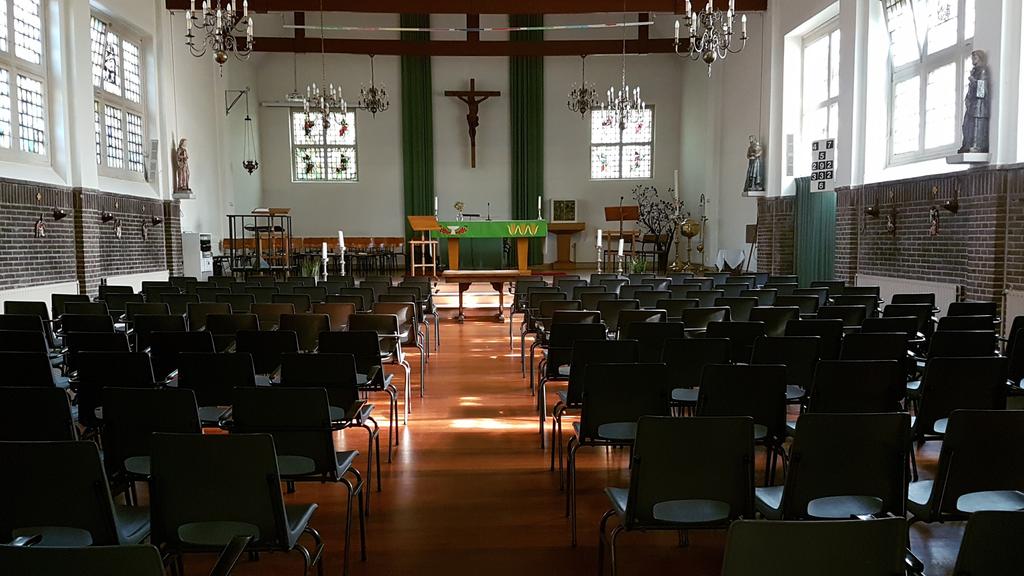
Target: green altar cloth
<point x="481" y="248"/>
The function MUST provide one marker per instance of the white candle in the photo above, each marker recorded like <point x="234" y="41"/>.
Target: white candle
<point x="539" y="206"/>
<point x="435" y="205"/>
<point x="689" y="10"/>
<point x="218" y="18"/>
<point x="192" y="6"/>
<point x="188" y="21"/>
<point x="675" y="185"/>
<point x="245" y="8"/>
<point x="341" y="239"/>
<point x="600" y="238"/>
<point x="323" y="251"/>
<point x="677" y="30"/>
<point x="620" y="247"/>
<point x="743" y="21"/>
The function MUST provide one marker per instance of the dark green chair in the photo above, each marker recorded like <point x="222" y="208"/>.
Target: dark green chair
<point x="300" y="421"/>
<point x="686" y="359"/>
<point x="36" y="414"/>
<point x="66" y="509"/>
<point x="667" y="493"/>
<point x="213" y="378"/>
<point x="874" y="547"/>
<point x="991" y="545"/>
<point x="208" y="489"/>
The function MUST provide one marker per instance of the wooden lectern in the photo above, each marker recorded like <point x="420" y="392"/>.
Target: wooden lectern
<point x="622" y="214"/>
<point x="423" y="226"/>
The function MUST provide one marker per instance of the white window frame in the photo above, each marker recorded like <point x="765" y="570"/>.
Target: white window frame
<point x="16" y="66"/>
<point x="323" y="147"/>
<point x="922" y="67"/>
<point x="620" y="144"/>
<point x="823" y="31"/>
<point x="122" y="103"/>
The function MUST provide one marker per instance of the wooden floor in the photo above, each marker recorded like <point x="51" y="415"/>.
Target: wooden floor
<point x="469" y="491"/>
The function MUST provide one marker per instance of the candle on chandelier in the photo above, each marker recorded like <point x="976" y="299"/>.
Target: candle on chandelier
<point x="188" y="21"/>
<point x="218" y="18"/>
<point x="675" y="185"/>
<point x="743" y="24"/>
<point x="192" y="6"/>
<point x="600" y="238"/>
<point x="620" y="247"/>
<point x="689" y="9"/>
<point x="245" y="8"/>
<point x="677" y="30"/>
<point x="248" y="30"/>
<point x="231" y="5"/>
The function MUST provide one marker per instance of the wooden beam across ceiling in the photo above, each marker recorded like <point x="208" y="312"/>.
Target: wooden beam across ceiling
<point x="483" y="6"/>
<point x="463" y="48"/>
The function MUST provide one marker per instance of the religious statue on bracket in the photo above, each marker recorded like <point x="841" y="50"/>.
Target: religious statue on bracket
<point x="933" y="217"/>
<point x="755" y="167"/>
<point x="977" y="106"/>
<point x="181" y="171"/>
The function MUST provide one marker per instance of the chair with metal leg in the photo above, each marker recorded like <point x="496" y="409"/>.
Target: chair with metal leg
<point x="617" y="396"/>
<point x="300" y="422"/>
<point x="666" y="493"/>
<point x="208" y="489"/>
<point x="387" y="329"/>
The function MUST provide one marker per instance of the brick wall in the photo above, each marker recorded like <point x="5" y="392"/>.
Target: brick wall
<point x="80" y="247"/>
<point x="981" y="248"/>
<point x="775" y="238"/>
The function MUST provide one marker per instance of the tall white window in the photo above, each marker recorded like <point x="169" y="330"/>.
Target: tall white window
<point x="820" y="86"/>
<point x="621" y="151"/>
<point x="930" y="60"/>
<point x="323" y="155"/>
<point x="23" y="110"/>
<point x="119" y="110"/>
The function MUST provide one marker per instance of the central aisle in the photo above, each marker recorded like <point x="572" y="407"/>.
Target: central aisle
<point x="470" y="493"/>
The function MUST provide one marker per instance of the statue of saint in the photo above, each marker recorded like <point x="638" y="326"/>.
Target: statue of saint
<point x="977" y="106"/>
<point x="181" y="175"/>
<point x="755" y="167"/>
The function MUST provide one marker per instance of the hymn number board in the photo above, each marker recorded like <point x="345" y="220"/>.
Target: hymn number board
<point x="823" y="165"/>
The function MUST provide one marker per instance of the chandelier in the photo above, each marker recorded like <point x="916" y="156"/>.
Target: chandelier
<point x="374" y="99"/>
<point x="324" y="98"/>
<point x="623" y="104"/>
<point x="221" y="24"/>
<point x="583" y="96"/>
<point x="711" y="33"/>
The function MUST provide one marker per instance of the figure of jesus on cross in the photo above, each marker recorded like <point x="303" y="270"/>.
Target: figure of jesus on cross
<point x="472" y="98"/>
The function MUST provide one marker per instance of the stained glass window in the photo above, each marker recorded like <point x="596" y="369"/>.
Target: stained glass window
<point x="98" y="125"/>
<point x="3" y="26"/>
<point x="930" y="47"/>
<point x="322" y="154"/>
<point x="621" y="150"/>
<point x="118" y="84"/>
<point x="115" y="137"/>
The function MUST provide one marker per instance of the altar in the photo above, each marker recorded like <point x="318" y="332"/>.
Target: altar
<point x="521" y="230"/>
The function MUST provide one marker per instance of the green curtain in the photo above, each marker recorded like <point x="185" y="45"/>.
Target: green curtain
<point x="815" y="230"/>
<point x="417" y="125"/>
<point x="526" y="111"/>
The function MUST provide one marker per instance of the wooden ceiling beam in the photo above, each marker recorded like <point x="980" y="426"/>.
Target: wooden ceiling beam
<point x="483" y="6"/>
<point x="463" y="48"/>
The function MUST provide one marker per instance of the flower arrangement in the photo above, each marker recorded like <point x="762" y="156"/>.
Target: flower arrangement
<point x="459" y="206"/>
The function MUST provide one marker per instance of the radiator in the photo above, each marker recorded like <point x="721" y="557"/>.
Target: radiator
<point x="945" y="293"/>
<point x="1013" y="306"/>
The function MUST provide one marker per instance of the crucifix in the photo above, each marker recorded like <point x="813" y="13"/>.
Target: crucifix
<point x="472" y="98"/>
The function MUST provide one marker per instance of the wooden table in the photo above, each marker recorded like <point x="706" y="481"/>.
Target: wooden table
<point x="496" y="278"/>
<point x="563" y="232"/>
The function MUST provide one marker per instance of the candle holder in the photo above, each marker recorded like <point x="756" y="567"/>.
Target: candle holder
<point x="600" y="259"/>
<point x="341" y="263"/>
<point x="677" y="262"/>
<point x="620" y="259"/>
<point x="324" y="268"/>
<point x="539" y="215"/>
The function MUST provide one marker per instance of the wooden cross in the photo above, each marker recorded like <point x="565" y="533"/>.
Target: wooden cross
<point x="472" y="98"/>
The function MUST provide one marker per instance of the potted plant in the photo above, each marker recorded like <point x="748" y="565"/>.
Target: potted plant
<point x="311" y="267"/>
<point x="658" y="219"/>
